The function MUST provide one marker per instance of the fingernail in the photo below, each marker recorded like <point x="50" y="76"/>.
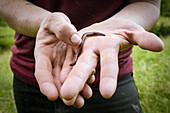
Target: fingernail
<point x="75" y="39"/>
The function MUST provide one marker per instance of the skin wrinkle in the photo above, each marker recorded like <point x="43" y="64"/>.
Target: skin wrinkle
<point x="81" y="45"/>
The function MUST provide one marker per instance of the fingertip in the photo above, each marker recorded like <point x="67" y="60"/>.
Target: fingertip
<point x="70" y="88"/>
<point x="79" y="103"/>
<point x="69" y="102"/>
<point x="66" y="92"/>
<point x="160" y="45"/>
<point x="152" y="43"/>
<point x="68" y="34"/>
<point x="91" y="79"/>
<point x="107" y="87"/>
<point x="149" y="41"/>
<point x="49" y="90"/>
<point x="87" y="91"/>
<point x="75" y="39"/>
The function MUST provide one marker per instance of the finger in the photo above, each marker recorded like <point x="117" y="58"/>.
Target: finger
<point x="79" y="74"/>
<point x="56" y="75"/>
<point x="65" y="32"/>
<point x="69" y="102"/>
<point x="87" y="91"/>
<point x="43" y="75"/>
<point x="91" y="79"/>
<point x="66" y="66"/>
<point x="146" y="40"/>
<point x="109" y="72"/>
<point x="79" y="102"/>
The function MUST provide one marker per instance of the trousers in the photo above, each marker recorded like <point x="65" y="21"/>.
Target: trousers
<point x="29" y="99"/>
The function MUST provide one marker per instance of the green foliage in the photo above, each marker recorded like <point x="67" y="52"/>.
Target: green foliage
<point x="165" y="8"/>
<point x="2" y="22"/>
<point x="6" y="37"/>
<point x="162" y="27"/>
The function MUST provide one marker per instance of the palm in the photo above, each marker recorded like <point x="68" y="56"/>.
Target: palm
<point x="49" y="55"/>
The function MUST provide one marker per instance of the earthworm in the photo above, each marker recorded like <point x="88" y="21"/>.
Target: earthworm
<point x="81" y="45"/>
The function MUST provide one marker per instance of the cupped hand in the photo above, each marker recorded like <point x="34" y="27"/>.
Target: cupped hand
<point x="54" y="38"/>
<point x="119" y="36"/>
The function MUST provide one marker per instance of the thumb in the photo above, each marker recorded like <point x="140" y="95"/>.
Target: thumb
<point x="146" y="40"/>
<point x="66" y="33"/>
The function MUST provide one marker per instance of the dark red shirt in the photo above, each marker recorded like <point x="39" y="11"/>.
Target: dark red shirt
<point x="82" y="13"/>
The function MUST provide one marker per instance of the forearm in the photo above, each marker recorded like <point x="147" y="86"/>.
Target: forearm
<point x="130" y="23"/>
<point x="22" y="16"/>
<point x="144" y="14"/>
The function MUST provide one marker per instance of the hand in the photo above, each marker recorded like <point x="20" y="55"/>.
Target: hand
<point x="118" y="37"/>
<point x="50" y="51"/>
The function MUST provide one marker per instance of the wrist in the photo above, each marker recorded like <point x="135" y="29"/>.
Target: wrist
<point x="55" y="17"/>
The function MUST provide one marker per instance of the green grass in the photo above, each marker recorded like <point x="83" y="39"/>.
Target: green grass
<point x="164" y="20"/>
<point x="6" y="93"/>
<point x="152" y="76"/>
<point x="6" y="37"/>
<point x="151" y="73"/>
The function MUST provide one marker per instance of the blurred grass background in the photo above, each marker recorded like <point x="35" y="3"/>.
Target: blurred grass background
<point x="151" y="70"/>
<point x="152" y="77"/>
